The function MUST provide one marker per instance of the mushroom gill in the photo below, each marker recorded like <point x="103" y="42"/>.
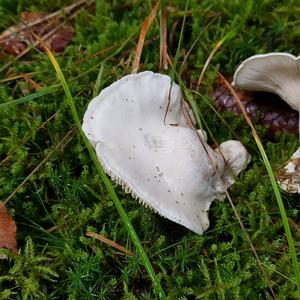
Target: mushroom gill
<point x="167" y="166"/>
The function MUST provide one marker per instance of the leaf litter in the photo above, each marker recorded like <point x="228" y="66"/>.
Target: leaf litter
<point x="8" y="230"/>
<point x="15" y="41"/>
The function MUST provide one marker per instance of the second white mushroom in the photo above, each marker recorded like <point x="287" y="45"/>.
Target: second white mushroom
<point x="278" y="73"/>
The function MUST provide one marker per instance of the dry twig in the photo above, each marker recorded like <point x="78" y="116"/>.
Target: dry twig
<point x="108" y="242"/>
<point x="163" y="63"/>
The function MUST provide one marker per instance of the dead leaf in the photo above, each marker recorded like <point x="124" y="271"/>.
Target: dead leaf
<point x="140" y="45"/>
<point x="30" y="17"/>
<point x="16" y="39"/>
<point x="8" y="230"/>
<point x="61" y="39"/>
<point x="265" y="108"/>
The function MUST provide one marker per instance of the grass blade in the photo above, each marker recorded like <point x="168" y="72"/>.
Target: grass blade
<point x="96" y="89"/>
<point x="274" y="186"/>
<point x="40" y="93"/>
<point x="199" y="116"/>
<point x="126" y="221"/>
<point x="176" y="58"/>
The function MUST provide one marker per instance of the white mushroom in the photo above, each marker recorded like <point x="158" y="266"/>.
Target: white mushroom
<point x="278" y="73"/>
<point x="167" y="165"/>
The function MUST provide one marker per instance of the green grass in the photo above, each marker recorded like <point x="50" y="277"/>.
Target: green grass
<point x="68" y="196"/>
<point x="108" y="184"/>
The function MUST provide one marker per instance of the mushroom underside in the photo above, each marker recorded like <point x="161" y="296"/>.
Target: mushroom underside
<point x="278" y="73"/>
<point x="167" y="166"/>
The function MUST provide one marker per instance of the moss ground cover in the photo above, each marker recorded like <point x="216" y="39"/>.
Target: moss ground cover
<point x="65" y="197"/>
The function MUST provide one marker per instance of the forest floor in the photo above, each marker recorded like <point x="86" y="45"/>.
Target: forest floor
<point x="56" y="196"/>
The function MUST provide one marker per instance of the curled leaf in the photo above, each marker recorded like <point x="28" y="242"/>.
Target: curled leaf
<point x="8" y="230"/>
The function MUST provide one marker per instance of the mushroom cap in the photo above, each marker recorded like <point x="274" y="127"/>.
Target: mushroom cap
<point x="278" y="73"/>
<point x="167" y="166"/>
<point x="236" y="157"/>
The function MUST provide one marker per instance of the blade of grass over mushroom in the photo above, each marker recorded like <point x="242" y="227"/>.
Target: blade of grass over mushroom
<point x="126" y="221"/>
<point x="176" y="58"/>
<point x="274" y="186"/>
<point x="192" y="102"/>
<point x="145" y="27"/>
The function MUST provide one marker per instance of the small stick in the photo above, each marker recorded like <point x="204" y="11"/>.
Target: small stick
<point x="34" y="84"/>
<point x="108" y="242"/>
<point x="99" y="53"/>
<point x="172" y="33"/>
<point x="17" y="77"/>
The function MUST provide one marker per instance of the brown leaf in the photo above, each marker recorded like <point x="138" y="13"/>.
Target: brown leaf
<point x="29" y="17"/>
<point x="13" y="46"/>
<point x="60" y="40"/>
<point x="8" y="230"/>
<point x="265" y="108"/>
<point x="16" y="39"/>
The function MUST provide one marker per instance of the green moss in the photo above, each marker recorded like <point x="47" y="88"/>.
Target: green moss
<point x="67" y="196"/>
